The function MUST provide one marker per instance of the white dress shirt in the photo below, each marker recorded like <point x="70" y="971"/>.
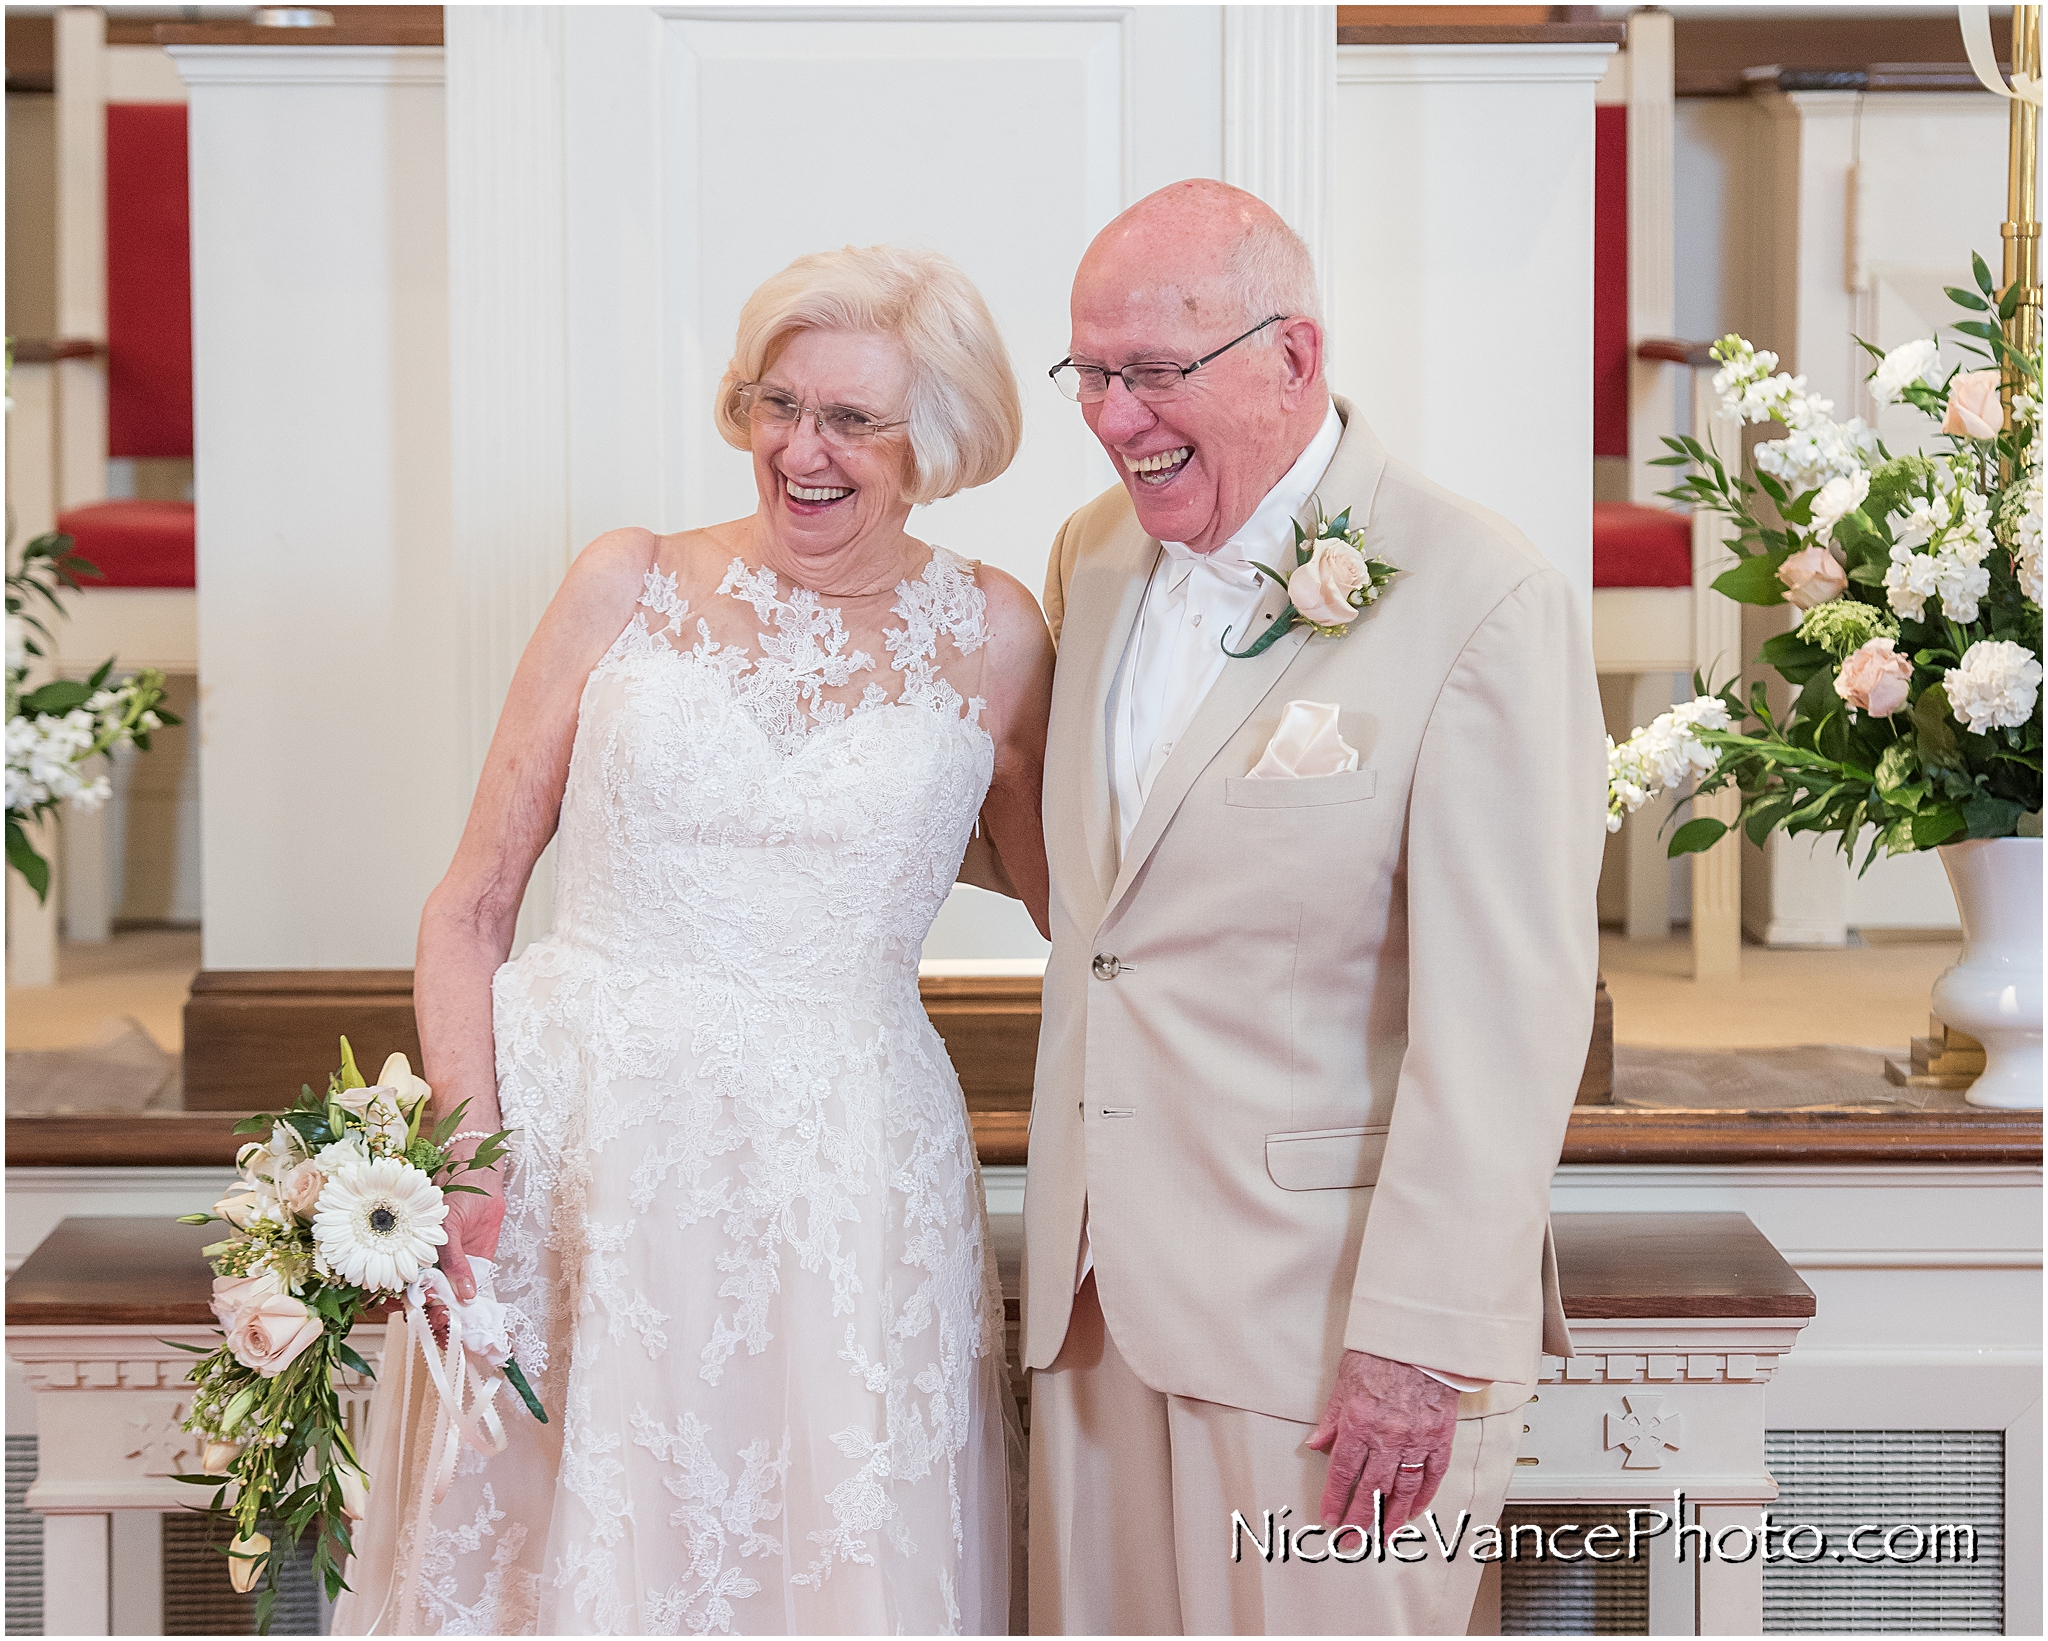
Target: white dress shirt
<point x="1175" y="655"/>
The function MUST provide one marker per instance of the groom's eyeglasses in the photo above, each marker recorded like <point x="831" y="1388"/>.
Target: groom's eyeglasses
<point x="766" y="406"/>
<point x="1147" y="379"/>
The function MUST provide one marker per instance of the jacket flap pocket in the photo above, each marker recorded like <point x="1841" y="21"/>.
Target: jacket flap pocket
<point x="1326" y="1159"/>
<point x="1303" y="791"/>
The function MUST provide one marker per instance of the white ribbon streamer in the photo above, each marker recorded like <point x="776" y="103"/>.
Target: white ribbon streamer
<point x="1976" y="21"/>
<point x="465" y="1386"/>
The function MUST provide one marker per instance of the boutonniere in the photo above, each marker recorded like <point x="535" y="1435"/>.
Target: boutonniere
<point x="1332" y="580"/>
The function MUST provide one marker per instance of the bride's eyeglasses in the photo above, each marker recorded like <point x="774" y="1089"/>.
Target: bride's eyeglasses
<point x="1147" y="379"/>
<point x="766" y="406"/>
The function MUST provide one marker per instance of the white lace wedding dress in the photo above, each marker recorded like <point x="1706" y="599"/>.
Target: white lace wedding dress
<point x="745" y="1246"/>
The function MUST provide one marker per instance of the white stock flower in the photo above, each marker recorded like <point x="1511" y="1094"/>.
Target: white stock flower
<point x="1662" y="756"/>
<point x="1816" y="448"/>
<point x="1903" y="367"/>
<point x="378" y="1225"/>
<point x="1938" y="550"/>
<point x="1995" y="687"/>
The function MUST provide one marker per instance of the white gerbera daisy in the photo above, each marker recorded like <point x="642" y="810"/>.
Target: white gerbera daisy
<point x="379" y="1224"/>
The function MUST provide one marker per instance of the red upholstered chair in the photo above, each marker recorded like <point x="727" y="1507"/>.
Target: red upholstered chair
<point x="134" y="543"/>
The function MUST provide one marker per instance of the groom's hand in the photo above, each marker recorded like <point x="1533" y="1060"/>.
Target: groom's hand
<point x="1383" y="1415"/>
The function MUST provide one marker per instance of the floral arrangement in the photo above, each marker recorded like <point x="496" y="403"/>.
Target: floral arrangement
<point x="338" y="1210"/>
<point x="54" y="731"/>
<point x="1917" y="657"/>
<point x="1333" y="579"/>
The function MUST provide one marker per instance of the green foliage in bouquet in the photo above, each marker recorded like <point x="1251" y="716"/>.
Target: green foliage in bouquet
<point x="337" y="1209"/>
<point x="1916" y="665"/>
<point x="55" y="730"/>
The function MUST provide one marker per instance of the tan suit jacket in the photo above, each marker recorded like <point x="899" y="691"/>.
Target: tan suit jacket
<point x="1318" y="1102"/>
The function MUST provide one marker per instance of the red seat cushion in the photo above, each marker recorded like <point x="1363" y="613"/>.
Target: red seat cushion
<point x="136" y="543"/>
<point x="1636" y="546"/>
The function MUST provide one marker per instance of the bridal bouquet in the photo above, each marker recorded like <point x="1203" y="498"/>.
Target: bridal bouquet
<point x="337" y="1210"/>
<point x="53" y="732"/>
<point x="1917" y="657"/>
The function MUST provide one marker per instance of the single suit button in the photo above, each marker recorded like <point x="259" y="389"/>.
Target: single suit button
<point x="1106" y="966"/>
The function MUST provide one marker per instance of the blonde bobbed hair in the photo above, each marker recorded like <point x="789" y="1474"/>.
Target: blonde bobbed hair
<point x="965" y="420"/>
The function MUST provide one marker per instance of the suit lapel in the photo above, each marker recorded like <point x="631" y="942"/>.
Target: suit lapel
<point x="1352" y="481"/>
<point x="1103" y="600"/>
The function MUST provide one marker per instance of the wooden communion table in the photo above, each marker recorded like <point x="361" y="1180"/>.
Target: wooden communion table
<point x="1679" y="1321"/>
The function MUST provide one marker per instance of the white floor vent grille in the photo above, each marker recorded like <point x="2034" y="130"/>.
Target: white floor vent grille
<point x="24" y="1542"/>
<point x="1841" y="1479"/>
<point x="1544" y="1597"/>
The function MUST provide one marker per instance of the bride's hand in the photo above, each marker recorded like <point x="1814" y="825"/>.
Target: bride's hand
<point x="472" y="1226"/>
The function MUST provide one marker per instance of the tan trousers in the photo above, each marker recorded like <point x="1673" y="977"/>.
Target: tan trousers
<point x="1132" y="1495"/>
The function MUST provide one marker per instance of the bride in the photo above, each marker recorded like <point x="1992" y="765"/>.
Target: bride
<point x="741" y="1233"/>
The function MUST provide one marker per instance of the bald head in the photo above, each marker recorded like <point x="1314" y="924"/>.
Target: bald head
<point x="1183" y="273"/>
<point x="1216" y="250"/>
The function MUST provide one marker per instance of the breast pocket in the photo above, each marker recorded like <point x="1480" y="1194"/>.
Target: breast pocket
<point x="1301" y="792"/>
<point x="1326" y="1159"/>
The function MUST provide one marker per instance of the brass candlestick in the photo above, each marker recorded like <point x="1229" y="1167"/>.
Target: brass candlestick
<point x="2021" y="231"/>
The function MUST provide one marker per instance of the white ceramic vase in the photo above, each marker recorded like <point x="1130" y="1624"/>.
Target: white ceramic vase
<point x="1994" y="993"/>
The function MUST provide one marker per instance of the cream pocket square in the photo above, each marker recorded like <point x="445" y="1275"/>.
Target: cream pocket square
<point x="1305" y="744"/>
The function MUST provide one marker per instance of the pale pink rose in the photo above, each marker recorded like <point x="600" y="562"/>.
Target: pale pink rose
<point x="1875" y="678"/>
<point x="1811" y="577"/>
<point x="1321" y="589"/>
<point x="355" y="1493"/>
<point x="299" y="1190"/>
<point x="241" y="1209"/>
<point x="1973" y="407"/>
<point x="245" y="1561"/>
<point x="232" y="1295"/>
<point x="269" y="1334"/>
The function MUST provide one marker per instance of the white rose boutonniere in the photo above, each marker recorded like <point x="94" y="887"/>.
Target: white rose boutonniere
<point x="1332" y="581"/>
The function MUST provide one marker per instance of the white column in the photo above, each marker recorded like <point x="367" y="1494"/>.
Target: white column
<point x="81" y="47"/>
<point x="1463" y="266"/>
<point x="137" y="1573"/>
<point x="32" y="924"/>
<point x="508" y="343"/>
<point x="1717" y="652"/>
<point x="1279" y="85"/>
<point x="1652" y="235"/>
<point x="76" y="1575"/>
<point x="333" y="764"/>
<point x="1811" y="312"/>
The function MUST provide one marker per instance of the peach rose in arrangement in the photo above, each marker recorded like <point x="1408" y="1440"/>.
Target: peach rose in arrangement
<point x="1811" y="577"/>
<point x="1875" y="678"/>
<point x="299" y="1190"/>
<point x="232" y="1295"/>
<point x="1321" y="589"/>
<point x="269" y="1335"/>
<point x="1973" y="408"/>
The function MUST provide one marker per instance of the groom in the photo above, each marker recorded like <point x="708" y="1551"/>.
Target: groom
<point x="1318" y="997"/>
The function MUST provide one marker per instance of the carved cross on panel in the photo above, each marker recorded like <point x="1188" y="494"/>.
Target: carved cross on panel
<point x="155" y="1439"/>
<point x="1644" y="1432"/>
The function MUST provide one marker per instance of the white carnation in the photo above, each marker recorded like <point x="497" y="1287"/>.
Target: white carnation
<point x="1903" y="367"/>
<point x="1837" y="499"/>
<point x="1995" y="687"/>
